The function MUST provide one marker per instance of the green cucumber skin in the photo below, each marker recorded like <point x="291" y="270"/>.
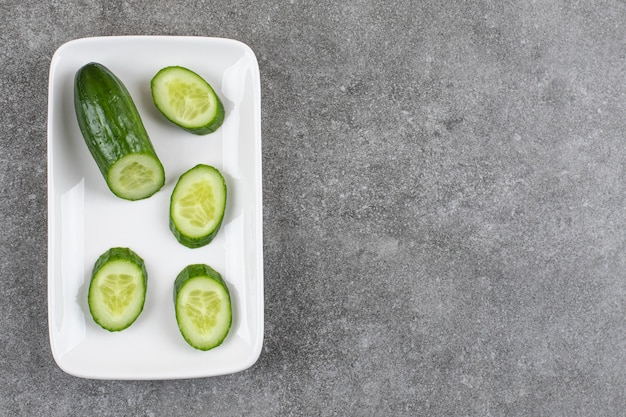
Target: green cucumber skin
<point x="108" y="118"/>
<point x="204" y="130"/>
<point x="124" y="254"/>
<point x="198" y="242"/>
<point x="200" y="270"/>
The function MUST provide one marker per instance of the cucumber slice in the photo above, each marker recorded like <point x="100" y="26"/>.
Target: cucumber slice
<point x="115" y="135"/>
<point x="117" y="290"/>
<point x="197" y="206"/>
<point x="187" y="100"/>
<point x="203" y="308"/>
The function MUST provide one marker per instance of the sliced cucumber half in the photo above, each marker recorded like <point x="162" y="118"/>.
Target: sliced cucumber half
<point x="117" y="290"/>
<point x="187" y="100"/>
<point x="203" y="307"/>
<point x="115" y="134"/>
<point x="197" y="206"/>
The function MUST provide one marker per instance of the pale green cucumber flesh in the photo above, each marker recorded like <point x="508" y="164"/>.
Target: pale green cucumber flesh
<point x="197" y="206"/>
<point x="136" y="176"/>
<point x="117" y="290"/>
<point x="203" y="306"/>
<point x="187" y="100"/>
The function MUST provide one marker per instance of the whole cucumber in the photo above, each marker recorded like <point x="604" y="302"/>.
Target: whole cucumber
<point x="115" y="134"/>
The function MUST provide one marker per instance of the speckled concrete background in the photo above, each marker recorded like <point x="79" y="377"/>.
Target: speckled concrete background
<point x="444" y="208"/>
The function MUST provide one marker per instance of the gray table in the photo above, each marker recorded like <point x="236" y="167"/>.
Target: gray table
<point x="443" y="209"/>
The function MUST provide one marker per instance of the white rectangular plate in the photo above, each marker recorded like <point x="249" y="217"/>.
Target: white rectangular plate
<point x="85" y="219"/>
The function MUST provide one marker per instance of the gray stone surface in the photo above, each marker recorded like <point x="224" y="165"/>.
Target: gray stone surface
<point x="444" y="208"/>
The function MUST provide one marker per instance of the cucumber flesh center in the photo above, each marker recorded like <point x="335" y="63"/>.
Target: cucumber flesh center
<point x="196" y="205"/>
<point x="117" y="292"/>
<point x="203" y="312"/>
<point x="136" y="176"/>
<point x="198" y="202"/>
<point x="202" y="308"/>
<point x="187" y="101"/>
